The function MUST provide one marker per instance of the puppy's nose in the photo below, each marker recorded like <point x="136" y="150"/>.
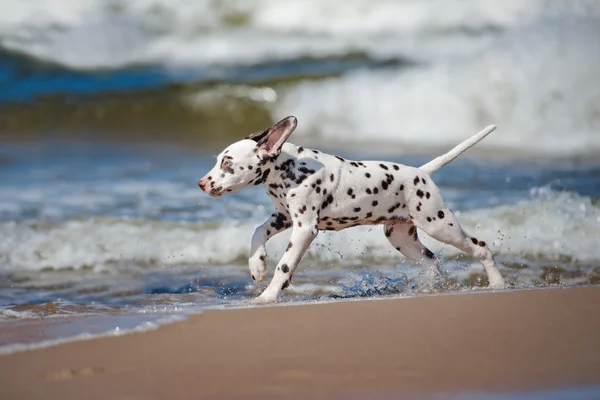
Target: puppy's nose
<point x="201" y="184"/>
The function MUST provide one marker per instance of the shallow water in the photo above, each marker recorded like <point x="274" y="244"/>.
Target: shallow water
<point x="582" y="393"/>
<point x="114" y="231"/>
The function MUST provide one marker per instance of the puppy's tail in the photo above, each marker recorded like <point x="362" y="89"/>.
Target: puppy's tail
<point x="444" y="159"/>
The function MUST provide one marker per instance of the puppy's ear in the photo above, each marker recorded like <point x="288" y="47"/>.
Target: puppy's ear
<point x="258" y="136"/>
<point x="277" y="136"/>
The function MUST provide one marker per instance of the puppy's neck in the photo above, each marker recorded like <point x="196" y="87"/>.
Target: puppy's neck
<point x="285" y="164"/>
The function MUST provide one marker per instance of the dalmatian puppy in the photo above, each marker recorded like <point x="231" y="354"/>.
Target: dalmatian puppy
<point x="314" y="191"/>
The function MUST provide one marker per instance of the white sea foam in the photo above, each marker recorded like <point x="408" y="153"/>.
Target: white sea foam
<point x="102" y="328"/>
<point x="108" y="34"/>
<point x="529" y="66"/>
<point x="535" y="82"/>
<point x="9" y="314"/>
<point x="549" y="226"/>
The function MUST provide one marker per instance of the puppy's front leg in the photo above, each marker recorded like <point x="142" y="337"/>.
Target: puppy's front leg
<point x="276" y="223"/>
<point x="302" y="235"/>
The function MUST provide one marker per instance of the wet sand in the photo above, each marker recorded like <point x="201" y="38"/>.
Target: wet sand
<point x="433" y="345"/>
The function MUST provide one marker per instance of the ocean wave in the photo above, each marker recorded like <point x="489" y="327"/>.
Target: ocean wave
<point x="91" y="34"/>
<point x="429" y="72"/>
<point x="535" y="82"/>
<point x="551" y="226"/>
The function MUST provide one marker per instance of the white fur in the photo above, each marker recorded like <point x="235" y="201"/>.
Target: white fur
<point x="315" y="191"/>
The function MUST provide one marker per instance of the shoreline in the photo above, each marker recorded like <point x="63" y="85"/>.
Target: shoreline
<point x="502" y="342"/>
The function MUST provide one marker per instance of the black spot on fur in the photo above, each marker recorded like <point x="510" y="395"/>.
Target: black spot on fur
<point x="279" y="222"/>
<point x="374" y="203"/>
<point x="401" y="187"/>
<point x="369" y="191"/>
<point x="420" y="193"/>
<point x="263" y="177"/>
<point x="375" y="190"/>
<point x="368" y="175"/>
<point x="356" y="209"/>
<point x="300" y="179"/>
<point x="394" y="208"/>
<point x="424" y="181"/>
<point x="289" y="246"/>
<point x="354" y="164"/>
<point x="440" y="214"/>
<point x="428" y="253"/>
<point x="383" y="166"/>
<point x="428" y="195"/>
<point x="475" y="241"/>
<point x="369" y="215"/>
<point x="340" y="158"/>
<point x="428" y="219"/>
<point x="331" y="177"/>
<point x="285" y="284"/>
<point x="300" y="149"/>
<point x="413" y="232"/>
<point x="396" y="167"/>
<point x="262" y="258"/>
<point x="416" y="180"/>
<point x="384" y="185"/>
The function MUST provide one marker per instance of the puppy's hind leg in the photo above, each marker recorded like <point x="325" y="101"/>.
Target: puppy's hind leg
<point x="403" y="236"/>
<point x="443" y="226"/>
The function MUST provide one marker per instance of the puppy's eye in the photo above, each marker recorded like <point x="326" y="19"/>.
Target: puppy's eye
<point x="227" y="163"/>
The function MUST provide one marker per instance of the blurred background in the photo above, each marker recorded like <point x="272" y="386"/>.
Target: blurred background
<point x="413" y="73"/>
<point x="110" y="111"/>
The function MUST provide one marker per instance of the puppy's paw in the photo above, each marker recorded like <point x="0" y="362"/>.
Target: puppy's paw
<point x="257" y="266"/>
<point x="265" y="298"/>
<point x="497" y="284"/>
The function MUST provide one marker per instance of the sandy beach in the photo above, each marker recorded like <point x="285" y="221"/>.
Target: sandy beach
<point x="425" y="346"/>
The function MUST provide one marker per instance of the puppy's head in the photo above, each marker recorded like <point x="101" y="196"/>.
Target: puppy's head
<point x="247" y="162"/>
